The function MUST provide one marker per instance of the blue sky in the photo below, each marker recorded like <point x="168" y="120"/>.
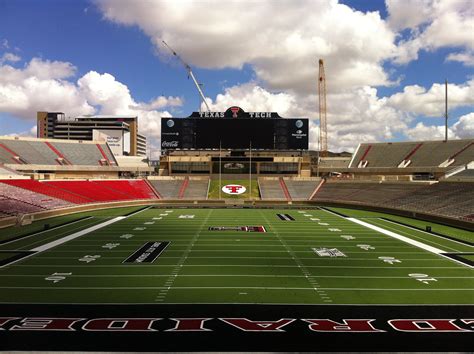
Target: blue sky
<point x="120" y="38"/>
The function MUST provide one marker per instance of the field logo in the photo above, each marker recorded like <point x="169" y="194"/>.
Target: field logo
<point x="234" y="189"/>
<point x="170" y="123"/>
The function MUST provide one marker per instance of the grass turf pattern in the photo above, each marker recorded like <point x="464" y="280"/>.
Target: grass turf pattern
<point x="202" y="266"/>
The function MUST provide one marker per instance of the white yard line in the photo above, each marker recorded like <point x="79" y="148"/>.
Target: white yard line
<point x="230" y="265"/>
<point x="224" y="287"/>
<point x="224" y="276"/>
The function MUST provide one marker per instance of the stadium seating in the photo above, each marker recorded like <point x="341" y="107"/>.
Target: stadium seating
<point x="300" y="189"/>
<point x="82" y="154"/>
<point x="270" y="189"/>
<point x="196" y="189"/>
<point x="414" y="154"/>
<point x="167" y="188"/>
<point x="30" y="197"/>
<point x="48" y="195"/>
<point x="446" y="199"/>
<point x="54" y="152"/>
<point x="90" y="190"/>
<point x="136" y="189"/>
<point x="12" y="207"/>
<point x="49" y="190"/>
<point x="466" y="174"/>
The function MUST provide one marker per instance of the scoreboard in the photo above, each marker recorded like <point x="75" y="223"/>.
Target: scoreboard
<point x="234" y="130"/>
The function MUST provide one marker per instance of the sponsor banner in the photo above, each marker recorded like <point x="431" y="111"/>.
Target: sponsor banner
<point x="148" y="252"/>
<point x="234" y="189"/>
<point x="233" y="327"/>
<point x="114" y="139"/>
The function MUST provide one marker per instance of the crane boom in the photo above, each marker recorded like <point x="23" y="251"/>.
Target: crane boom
<point x="190" y="73"/>
<point x="323" y="131"/>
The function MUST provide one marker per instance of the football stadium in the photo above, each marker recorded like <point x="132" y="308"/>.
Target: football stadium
<point x="240" y="238"/>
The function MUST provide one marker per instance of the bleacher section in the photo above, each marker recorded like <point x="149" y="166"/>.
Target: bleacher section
<point x="187" y="188"/>
<point x="270" y="189"/>
<point x="32" y="196"/>
<point x="54" y="152"/>
<point x="466" y="174"/>
<point x="13" y="207"/>
<point x="446" y="199"/>
<point x="42" y="201"/>
<point x="168" y="189"/>
<point x="414" y="154"/>
<point x="46" y="189"/>
<point x="300" y="190"/>
<point x="196" y="189"/>
<point x="136" y="189"/>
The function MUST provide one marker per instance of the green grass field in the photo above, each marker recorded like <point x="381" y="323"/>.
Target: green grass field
<point x="215" y="187"/>
<point x="203" y="266"/>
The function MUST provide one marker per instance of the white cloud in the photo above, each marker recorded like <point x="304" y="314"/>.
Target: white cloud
<point x="42" y="86"/>
<point x="353" y="116"/>
<point x="433" y="23"/>
<point x="9" y="57"/>
<point x="464" y="127"/>
<point x="401" y="14"/>
<point x="467" y="58"/>
<point x="251" y="97"/>
<point x="430" y="103"/>
<point x="283" y="50"/>
<point x="428" y="132"/>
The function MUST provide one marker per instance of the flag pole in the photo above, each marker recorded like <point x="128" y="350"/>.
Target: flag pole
<point x="250" y="171"/>
<point x="220" y="172"/>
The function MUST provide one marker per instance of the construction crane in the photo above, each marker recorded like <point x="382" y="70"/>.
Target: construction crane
<point x="190" y="74"/>
<point x="323" y="130"/>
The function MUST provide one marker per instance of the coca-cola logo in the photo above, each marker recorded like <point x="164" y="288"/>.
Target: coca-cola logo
<point x="173" y="143"/>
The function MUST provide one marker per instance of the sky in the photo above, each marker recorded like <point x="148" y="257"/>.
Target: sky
<point x="385" y="61"/>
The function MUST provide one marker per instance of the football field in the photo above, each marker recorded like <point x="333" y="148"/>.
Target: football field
<point x="234" y="256"/>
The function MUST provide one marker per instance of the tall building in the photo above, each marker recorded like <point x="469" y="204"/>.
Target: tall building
<point x="120" y="132"/>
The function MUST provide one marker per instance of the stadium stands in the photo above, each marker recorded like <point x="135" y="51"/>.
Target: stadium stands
<point x="136" y="189"/>
<point x="167" y="188"/>
<point x="187" y="188"/>
<point x="301" y="189"/>
<point x="414" y="154"/>
<point x="12" y="207"/>
<point x="466" y="174"/>
<point x="49" y="190"/>
<point x="32" y="196"/>
<point x="445" y="198"/>
<point x="196" y="189"/>
<point x="54" y="152"/>
<point x="271" y="189"/>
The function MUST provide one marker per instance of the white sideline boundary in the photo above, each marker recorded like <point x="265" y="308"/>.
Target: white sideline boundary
<point x="75" y="235"/>
<point x="55" y="243"/>
<point x="405" y="239"/>
<point x="398" y="237"/>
